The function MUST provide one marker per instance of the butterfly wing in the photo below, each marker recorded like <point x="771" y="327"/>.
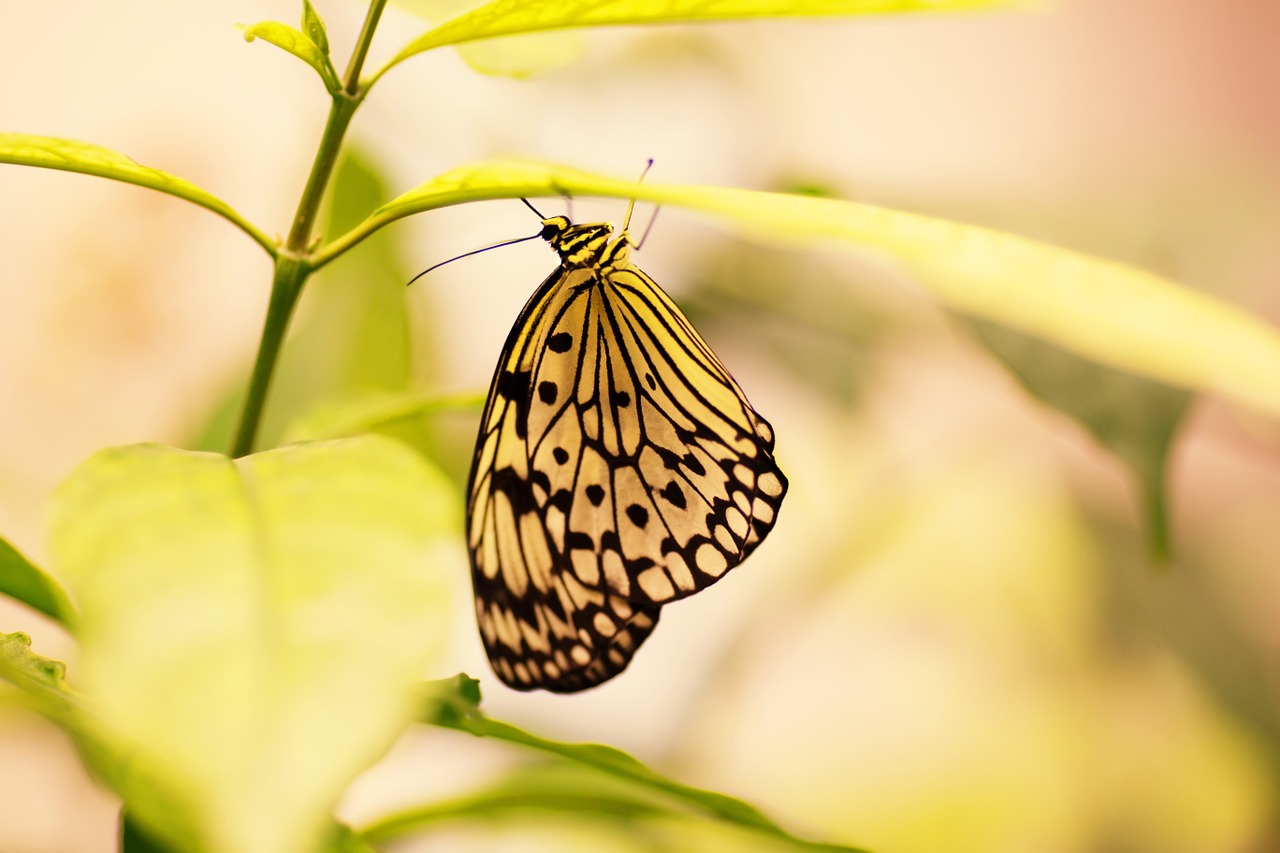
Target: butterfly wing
<point x="540" y="625"/>
<point x="619" y="467"/>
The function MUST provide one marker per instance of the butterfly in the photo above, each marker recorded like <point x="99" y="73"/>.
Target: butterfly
<point x="618" y="467"/>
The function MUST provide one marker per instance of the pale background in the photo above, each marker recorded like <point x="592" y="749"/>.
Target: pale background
<point x="950" y="641"/>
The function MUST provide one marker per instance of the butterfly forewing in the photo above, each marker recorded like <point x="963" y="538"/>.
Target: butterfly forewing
<point x="618" y="467"/>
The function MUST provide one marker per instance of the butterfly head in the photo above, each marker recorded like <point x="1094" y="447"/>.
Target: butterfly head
<point x="581" y="245"/>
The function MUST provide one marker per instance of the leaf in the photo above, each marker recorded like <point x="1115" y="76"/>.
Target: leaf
<point x="67" y="155"/>
<point x="134" y="840"/>
<point x="542" y="788"/>
<point x="41" y="680"/>
<point x="252" y="625"/>
<point x="111" y="756"/>
<point x="506" y="17"/>
<point x="1118" y="315"/>
<point x="22" y="581"/>
<point x="454" y="705"/>
<point x="313" y="26"/>
<point x="374" y="410"/>
<point x="1134" y="419"/>
<point x="519" y="56"/>
<point x="296" y="42"/>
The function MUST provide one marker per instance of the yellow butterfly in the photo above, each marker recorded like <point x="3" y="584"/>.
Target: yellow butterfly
<point x="618" y="467"/>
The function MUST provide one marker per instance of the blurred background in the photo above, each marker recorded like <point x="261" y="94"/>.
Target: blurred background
<point x="954" y="638"/>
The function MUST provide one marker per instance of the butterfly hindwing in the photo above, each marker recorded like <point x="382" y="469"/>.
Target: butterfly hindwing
<point x="618" y="467"/>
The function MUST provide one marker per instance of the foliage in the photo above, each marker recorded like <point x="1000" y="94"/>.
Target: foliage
<point x="249" y="624"/>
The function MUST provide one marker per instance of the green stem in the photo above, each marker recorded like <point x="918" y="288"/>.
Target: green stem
<point x="286" y="285"/>
<point x="292" y="263"/>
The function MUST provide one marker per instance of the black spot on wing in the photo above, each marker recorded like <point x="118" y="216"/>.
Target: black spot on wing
<point x="639" y="515"/>
<point x="674" y="495"/>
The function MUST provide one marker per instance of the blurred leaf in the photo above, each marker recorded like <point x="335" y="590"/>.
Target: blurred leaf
<point x="297" y="43"/>
<point x="1133" y="418"/>
<point x="22" y="581"/>
<point x="313" y="26"/>
<point x="373" y="410"/>
<point x="506" y="17"/>
<point x="1118" y="315"/>
<point x="542" y="788"/>
<point x="449" y="701"/>
<point x="520" y="56"/>
<point x="41" y="680"/>
<point x="110" y="755"/>
<point x="215" y="433"/>
<point x="352" y="333"/>
<point x="819" y="327"/>
<point x="453" y="704"/>
<point x="524" y="56"/>
<point x="252" y="624"/>
<point x="135" y="840"/>
<point x="343" y="840"/>
<point x="67" y="155"/>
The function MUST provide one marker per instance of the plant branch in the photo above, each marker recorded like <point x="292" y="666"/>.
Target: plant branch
<point x="292" y="265"/>
<point x="356" y="65"/>
<point x="286" y="285"/>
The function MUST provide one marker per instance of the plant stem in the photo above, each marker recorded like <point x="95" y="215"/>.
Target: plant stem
<point x="292" y="266"/>
<point x="290" y="275"/>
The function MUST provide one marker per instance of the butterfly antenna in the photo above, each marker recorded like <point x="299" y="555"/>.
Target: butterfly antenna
<point x="626" y="223"/>
<point x="645" y="236"/>
<point x="537" y="212"/>
<point x="477" y="251"/>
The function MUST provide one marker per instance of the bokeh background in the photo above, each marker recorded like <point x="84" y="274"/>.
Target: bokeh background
<point x="953" y="640"/>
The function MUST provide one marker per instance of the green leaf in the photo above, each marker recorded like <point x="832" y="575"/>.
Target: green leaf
<point x="253" y="624"/>
<point x="507" y="17"/>
<point x="544" y="788"/>
<point x="110" y="755"/>
<point x="22" y="581"/>
<point x="454" y="706"/>
<point x="313" y="26"/>
<point x="41" y="680"/>
<point x="67" y="155"/>
<point x="519" y="56"/>
<point x="1133" y="418"/>
<point x="1114" y="314"/>
<point x="374" y="410"/>
<point x="134" y="839"/>
<point x="296" y="42"/>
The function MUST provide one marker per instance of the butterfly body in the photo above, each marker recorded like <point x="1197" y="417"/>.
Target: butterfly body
<point x="618" y="467"/>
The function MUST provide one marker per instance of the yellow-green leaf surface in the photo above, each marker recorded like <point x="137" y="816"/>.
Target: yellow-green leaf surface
<point x="519" y="56"/>
<point x="113" y="758"/>
<point x="370" y="411"/>
<point x="1115" y="314"/>
<point x="505" y="17"/>
<point x="47" y="152"/>
<point x="41" y="680"/>
<point x="253" y="624"/>
<point x="313" y="26"/>
<point x="296" y="42"/>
